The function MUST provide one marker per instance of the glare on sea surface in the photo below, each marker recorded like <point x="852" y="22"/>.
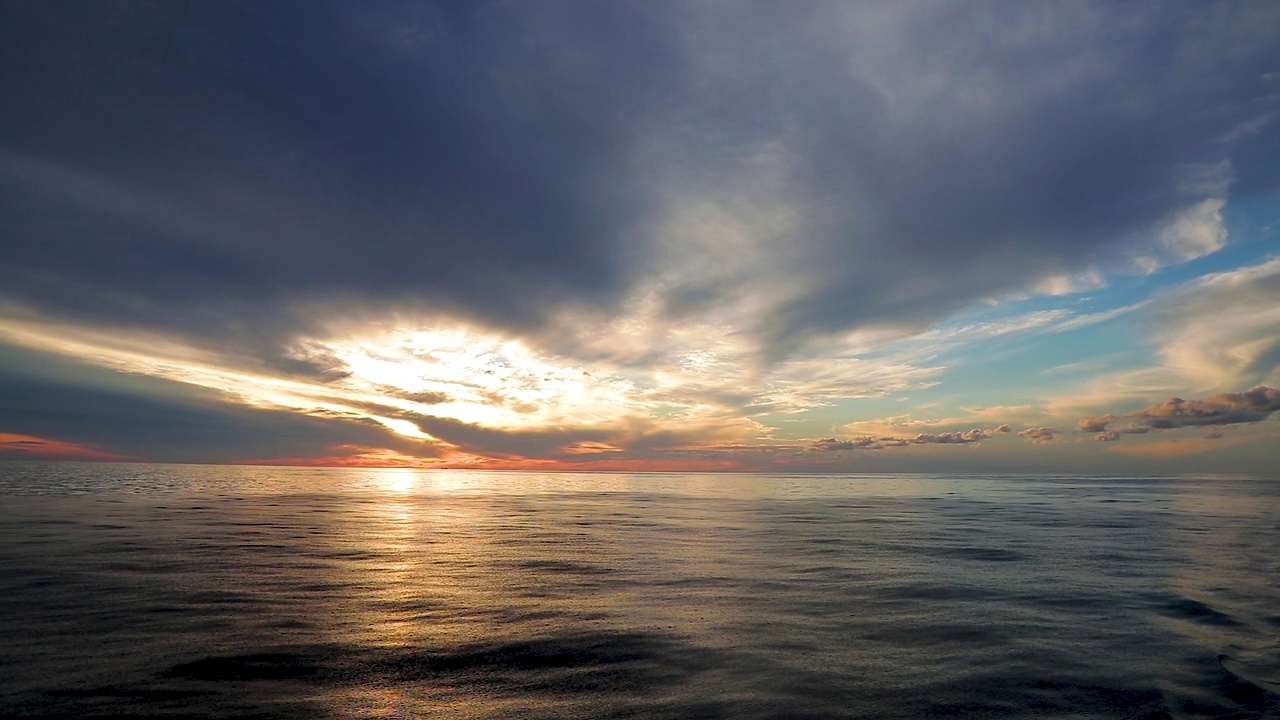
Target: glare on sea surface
<point x="417" y="481"/>
<point x="399" y="480"/>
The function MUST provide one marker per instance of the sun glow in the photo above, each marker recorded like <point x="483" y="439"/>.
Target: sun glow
<point x="594" y="384"/>
<point x="478" y="379"/>
<point x="403" y="427"/>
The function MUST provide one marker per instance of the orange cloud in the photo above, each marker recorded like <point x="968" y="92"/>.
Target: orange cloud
<point x="13" y="445"/>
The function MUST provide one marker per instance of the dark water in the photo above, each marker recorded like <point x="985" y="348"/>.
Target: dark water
<point x="190" y="591"/>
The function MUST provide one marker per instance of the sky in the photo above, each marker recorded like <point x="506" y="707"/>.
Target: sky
<point x="643" y="236"/>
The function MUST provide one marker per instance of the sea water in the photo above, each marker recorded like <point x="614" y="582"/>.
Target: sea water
<point x="255" y="592"/>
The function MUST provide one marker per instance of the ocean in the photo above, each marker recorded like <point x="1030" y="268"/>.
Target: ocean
<point x="187" y="591"/>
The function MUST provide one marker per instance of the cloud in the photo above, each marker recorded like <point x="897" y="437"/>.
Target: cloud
<point x="1215" y="333"/>
<point x="908" y="426"/>
<point x="1095" y="424"/>
<point x="1223" y="409"/>
<point x="834" y="445"/>
<point x="881" y="166"/>
<point x="1223" y="329"/>
<point x="1196" y="231"/>
<point x="1041" y="435"/>
<point x="487" y="393"/>
<point x="1105" y="425"/>
<point x="154" y="419"/>
<point x="870" y="442"/>
<point x="14" y="445"/>
<point x="1250" y="406"/>
<point x="640" y="223"/>
<point x="949" y="438"/>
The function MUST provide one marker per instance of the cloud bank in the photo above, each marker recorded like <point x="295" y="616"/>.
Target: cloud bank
<point x="1250" y="406"/>
<point x="229" y="170"/>
<point x="868" y="442"/>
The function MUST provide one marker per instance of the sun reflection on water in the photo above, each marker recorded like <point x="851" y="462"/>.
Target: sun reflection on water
<point x="399" y="480"/>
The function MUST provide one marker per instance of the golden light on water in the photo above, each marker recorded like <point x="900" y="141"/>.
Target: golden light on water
<point x="399" y="480"/>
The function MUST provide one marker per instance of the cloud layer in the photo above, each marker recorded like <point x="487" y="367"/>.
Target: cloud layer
<point x="1234" y="408"/>
<point x="227" y="169"/>
<point x="580" y="230"/>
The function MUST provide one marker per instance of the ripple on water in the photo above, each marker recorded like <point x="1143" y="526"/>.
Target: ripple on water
<point x="237" y="593"/>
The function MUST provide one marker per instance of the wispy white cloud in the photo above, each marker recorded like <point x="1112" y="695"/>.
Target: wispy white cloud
<point x="1223" y="330"/>
<point x="1216" y="333"/>
<point x="1192" y="233"/>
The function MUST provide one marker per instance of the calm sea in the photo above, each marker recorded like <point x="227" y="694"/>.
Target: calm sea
<point x="251" y="592"/>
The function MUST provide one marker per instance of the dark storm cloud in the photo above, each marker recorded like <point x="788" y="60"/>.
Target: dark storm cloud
<point x="157" y="420"/>
<point x="202" y="165"/>
<point x="215" y="167"/>
<point x="940" y="155"/>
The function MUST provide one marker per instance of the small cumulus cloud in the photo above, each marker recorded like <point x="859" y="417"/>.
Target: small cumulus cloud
<point x="833" y="445"/>
<point x="1095" y="424"/>
<point x="952" y="438"/>
<point x="871" y="442"/>
<point x="1041" y="435"/>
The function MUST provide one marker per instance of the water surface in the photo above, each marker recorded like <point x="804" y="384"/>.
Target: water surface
<point x="238" y="592"/>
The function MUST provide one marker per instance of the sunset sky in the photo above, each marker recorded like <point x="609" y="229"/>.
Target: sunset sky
<point x="778" y="236"/>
